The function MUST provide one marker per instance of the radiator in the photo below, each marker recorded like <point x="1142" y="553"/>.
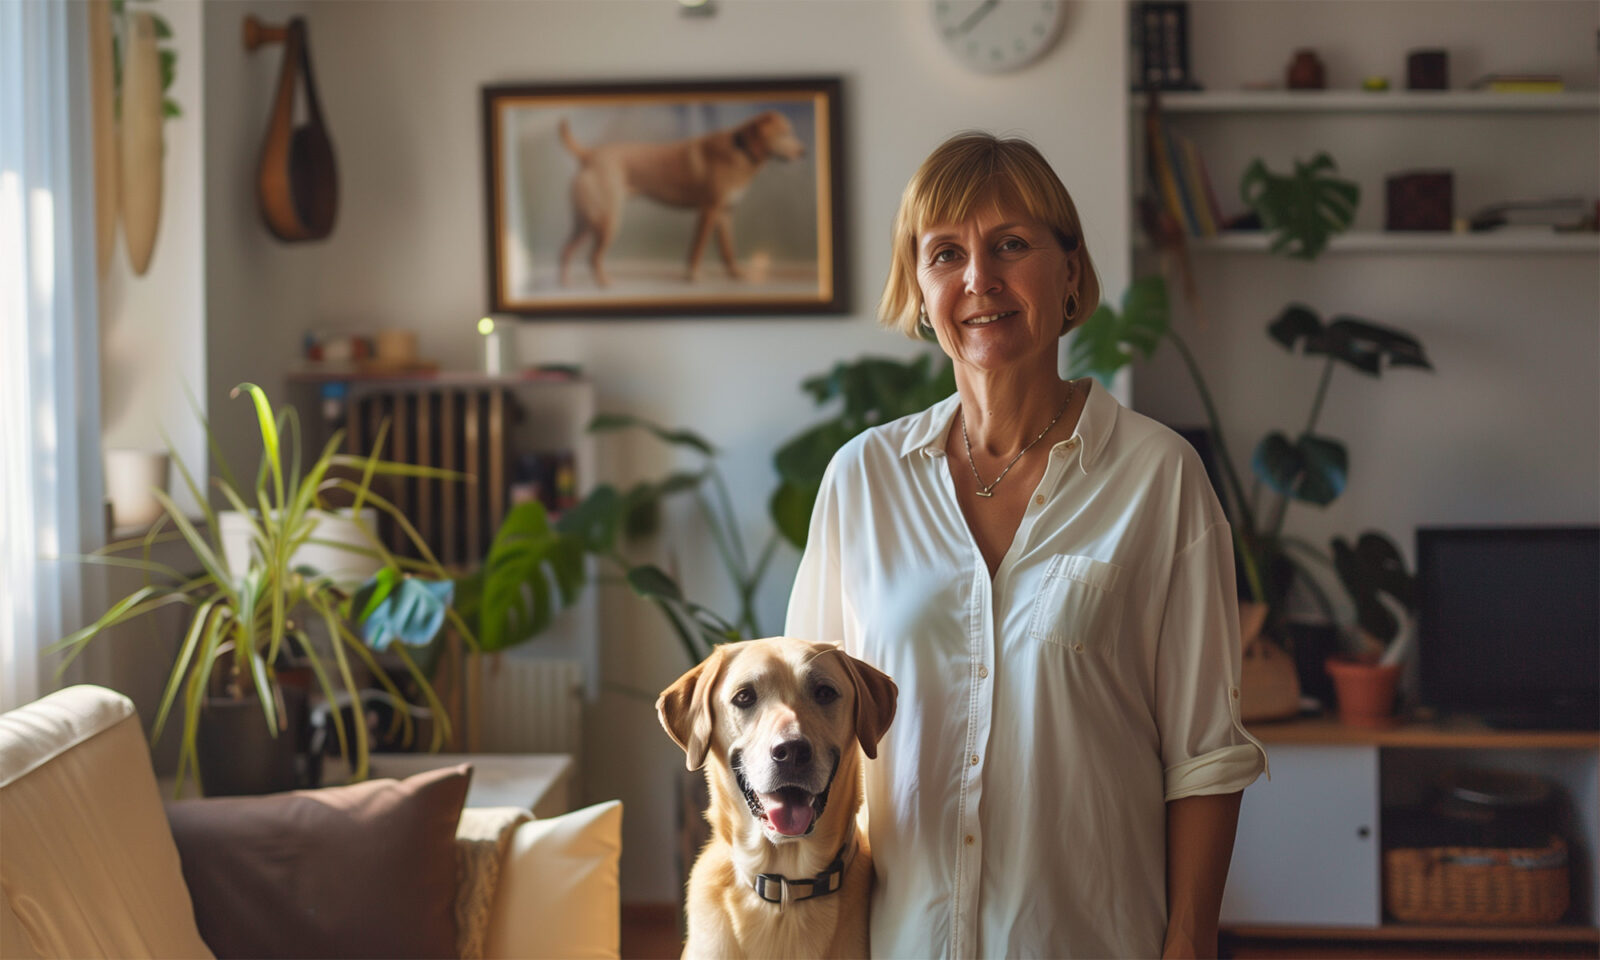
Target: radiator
<point x="525" y="705"/>
<point x="456" y="426"/>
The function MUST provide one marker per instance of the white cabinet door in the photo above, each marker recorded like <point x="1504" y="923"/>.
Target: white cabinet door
<point x="1307" y="852"/>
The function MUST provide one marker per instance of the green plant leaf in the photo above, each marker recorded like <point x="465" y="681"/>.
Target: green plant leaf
<point x="1303" y="210"/>
<point x="1372" y="567"/>
<point x="595" y="520"/>
<point x="163" y="29"/>
<point x="804" y="459"/>
<point x="607" y="422"/>
<point x="1108" y="341"/>
<point x="509" y="597"/>
<point x="653" y="583"/>
<point x="1314" y="469"/>
<point x="790" y="509"/>
<point x="1357" y="343"/>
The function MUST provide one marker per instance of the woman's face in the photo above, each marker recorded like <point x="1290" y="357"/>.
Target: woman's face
<point x="995" y="287"/>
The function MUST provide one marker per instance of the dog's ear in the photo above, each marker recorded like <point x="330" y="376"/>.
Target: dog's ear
<point x="685" y="708"/>
<point x="875" y="701"/>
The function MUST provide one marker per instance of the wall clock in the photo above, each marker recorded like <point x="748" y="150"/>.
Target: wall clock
<point x="995" y="36"/>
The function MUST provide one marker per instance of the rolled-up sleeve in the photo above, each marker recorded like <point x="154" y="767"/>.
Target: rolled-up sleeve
<point x="1205" y="749"/>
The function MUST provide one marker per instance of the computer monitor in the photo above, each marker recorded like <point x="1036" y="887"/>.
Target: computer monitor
<point x="1509" y="624"/>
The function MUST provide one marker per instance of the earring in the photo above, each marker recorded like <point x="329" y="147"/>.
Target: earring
<point x="922" y="317"/>
<point x="1072" y="306"/>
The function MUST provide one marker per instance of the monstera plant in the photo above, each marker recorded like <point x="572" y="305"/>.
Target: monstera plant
<point x="1308" y="467"/>
<point x="1304" y="209"/>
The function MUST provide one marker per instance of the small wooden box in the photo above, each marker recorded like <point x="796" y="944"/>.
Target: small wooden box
<point x="1428" y="70"/>
<point x="1420" y="200"/>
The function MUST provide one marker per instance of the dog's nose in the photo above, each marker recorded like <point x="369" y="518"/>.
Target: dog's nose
<point x="792" y="754"/>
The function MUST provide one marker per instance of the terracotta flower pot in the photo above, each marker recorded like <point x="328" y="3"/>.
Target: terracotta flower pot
<point x="1365" y="691"/>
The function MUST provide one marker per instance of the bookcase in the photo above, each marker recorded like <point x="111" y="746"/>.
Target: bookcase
<point x="1504" y="431"/>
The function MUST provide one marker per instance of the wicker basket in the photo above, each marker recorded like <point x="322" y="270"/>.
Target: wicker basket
<point x="1477" y="885"/>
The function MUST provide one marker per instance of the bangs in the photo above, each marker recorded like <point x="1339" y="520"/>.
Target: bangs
<point x="954" y="190"/>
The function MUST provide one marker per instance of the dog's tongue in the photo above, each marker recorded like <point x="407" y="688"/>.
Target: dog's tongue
<point x="789" y="812"/>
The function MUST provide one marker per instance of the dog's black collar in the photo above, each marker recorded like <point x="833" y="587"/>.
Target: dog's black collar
<point x="779" y="889"/>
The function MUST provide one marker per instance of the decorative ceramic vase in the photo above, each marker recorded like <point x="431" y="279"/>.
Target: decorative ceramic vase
<point x="1305" y="71"/>
<point x="1365" y="691"/>
<point x="132" y="476"/>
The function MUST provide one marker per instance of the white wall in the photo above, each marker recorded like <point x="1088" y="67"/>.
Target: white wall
<point x="1507" y="430"/>
<point x="400" y="90"/>
<point x="153" y="327"/>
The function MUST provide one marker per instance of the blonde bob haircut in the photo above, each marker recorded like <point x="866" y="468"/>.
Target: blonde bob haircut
<point x="964" y="171"/>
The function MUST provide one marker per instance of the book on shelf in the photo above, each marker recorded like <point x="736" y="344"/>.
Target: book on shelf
<point x="1182" y="183"/>
<point x="1545" y="211"/>
<point x="1521" y="83"/>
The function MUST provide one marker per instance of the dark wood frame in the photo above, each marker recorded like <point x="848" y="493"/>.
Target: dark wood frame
<point x="831" y="295"/>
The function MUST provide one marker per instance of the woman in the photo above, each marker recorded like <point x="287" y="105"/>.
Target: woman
<point x="1048" y="576"/>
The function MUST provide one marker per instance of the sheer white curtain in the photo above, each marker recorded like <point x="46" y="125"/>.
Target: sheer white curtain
<point x="50" y="483"/>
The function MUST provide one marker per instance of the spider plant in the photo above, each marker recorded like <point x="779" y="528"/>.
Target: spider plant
<point x="247" y="622"/>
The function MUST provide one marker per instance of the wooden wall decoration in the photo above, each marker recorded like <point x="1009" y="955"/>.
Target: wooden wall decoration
<point x="297" y="183"/>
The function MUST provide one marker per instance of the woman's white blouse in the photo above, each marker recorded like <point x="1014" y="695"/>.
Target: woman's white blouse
<point x="1017" y="806"/>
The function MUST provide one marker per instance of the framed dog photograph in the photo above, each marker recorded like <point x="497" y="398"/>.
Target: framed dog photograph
<point x="665" y="199"/>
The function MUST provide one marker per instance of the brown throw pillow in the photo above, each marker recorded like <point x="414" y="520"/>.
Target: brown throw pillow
<point x="366" y="870"/>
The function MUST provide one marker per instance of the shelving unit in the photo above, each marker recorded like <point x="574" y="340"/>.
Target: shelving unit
<point x="1514" y="308"/>
<point x="1308" y="861"/>
<point x="1515" y="240"/>
<point x="1361" y="101"/>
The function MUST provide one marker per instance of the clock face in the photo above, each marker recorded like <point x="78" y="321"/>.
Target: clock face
<point x="994" y="36"/>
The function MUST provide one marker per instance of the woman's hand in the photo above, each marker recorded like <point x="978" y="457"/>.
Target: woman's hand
<point x="1200" y="834"/>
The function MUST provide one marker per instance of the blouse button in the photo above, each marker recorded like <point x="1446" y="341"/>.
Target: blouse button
<point x="1077" y="648"/>
<point x="1235" y="692"/>
<point x="974" y="759"/>
<point x="983" y="672"/>
<point x="1039" y="500"/>
<point x="970" y="840"/>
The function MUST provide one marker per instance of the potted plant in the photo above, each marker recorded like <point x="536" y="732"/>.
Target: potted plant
<point x="1385" y="594"/>
<point x="1308" y="467"/>
<point x="249" y="618"/>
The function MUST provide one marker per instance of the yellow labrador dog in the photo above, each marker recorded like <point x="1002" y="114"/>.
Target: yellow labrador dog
<point x="785" y="873"/>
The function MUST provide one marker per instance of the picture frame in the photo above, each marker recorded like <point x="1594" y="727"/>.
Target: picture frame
<point x="658" y="199"/>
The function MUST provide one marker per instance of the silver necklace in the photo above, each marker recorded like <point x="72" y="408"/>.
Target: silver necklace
<point x="988" y="490"/>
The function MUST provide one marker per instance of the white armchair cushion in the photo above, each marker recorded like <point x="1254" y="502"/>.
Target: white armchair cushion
<point x="558" y="894"/>
<point x="88" y="866"/>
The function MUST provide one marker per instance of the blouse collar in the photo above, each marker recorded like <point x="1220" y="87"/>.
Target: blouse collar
<point x="1094" y="428"/>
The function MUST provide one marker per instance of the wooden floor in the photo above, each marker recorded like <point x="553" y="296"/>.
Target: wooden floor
<point x="650" y="931"/>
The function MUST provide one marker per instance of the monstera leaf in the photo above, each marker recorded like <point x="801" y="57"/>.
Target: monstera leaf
<point x="1304" y="209"/>
<point x="1352" y="341"/>
<point x="510" y="597"/>
<point x="1107" y="341"/>
<point x="874" y="390"/>
<point x="1313" y="469"/>
<point x="1370" y="568"/>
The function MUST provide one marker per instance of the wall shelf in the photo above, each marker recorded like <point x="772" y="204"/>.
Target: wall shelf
<point x="1361" y="101"/>
<point x="1559" y="933"/>
<point x="1374" y="241"/>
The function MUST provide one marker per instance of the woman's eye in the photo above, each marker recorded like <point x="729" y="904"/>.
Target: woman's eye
<point x="745" y="698"/>
<point x="1012" y="244"/>
<point x="825" y="694"/>
<point x="942" y="256"/>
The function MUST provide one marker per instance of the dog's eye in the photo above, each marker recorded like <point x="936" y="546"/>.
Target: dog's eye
<point x="745" y="698"/>
<point x="825" y="694"/>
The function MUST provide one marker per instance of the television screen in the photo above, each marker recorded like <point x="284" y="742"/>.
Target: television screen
<point x="1509" y="623"/>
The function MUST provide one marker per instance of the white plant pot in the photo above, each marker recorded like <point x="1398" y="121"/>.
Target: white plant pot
<point x="132" y="476"/>
<point x="348" y="569"/>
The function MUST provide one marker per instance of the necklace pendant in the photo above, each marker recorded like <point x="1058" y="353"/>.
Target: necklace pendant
<point x="985" y="493"/>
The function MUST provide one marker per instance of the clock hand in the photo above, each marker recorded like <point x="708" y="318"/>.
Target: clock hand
<point x="973" y="18"/>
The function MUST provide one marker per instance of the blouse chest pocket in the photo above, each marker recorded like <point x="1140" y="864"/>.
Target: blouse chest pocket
<point x="1077" y="606"/>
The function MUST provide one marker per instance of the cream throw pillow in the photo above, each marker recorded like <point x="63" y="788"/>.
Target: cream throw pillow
<point x="558" y="894"/>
